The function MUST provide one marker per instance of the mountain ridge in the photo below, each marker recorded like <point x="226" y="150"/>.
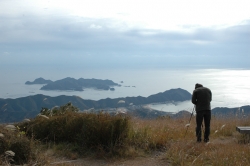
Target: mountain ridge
<point x="14" y="110"/>
<point x="25" y="107"/>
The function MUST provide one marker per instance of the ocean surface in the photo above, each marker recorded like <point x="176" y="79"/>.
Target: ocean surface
<point x="230" y="87"/>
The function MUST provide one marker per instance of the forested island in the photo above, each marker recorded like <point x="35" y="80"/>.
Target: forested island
<point x="72" y="84"/>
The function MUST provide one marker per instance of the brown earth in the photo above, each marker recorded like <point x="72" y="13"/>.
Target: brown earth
<point x="156" y="159"/>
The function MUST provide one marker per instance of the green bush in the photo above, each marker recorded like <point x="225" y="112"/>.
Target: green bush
<point x="22" y="150"/>
<point x="87" y="130"/>
<point x="3" y="145"/>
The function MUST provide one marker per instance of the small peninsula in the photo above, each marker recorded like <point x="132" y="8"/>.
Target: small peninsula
<point x="72" y="84"/>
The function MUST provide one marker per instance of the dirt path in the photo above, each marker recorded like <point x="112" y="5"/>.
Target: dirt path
<point x="153" y="160"/>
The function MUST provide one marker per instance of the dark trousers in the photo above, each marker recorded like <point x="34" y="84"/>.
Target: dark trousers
<point x="200" y="115"/>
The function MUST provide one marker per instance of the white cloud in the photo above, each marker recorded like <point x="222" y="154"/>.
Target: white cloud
<point x="94" y="26"/>
<point x="118" y="31"/>
<point x="150" y="14"/>
<point x="200" y="42"/>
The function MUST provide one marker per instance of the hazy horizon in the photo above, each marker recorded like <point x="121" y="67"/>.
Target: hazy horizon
<point x="229" y="86"/>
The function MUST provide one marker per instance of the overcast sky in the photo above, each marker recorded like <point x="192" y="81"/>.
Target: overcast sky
<point x="125" y="33"/>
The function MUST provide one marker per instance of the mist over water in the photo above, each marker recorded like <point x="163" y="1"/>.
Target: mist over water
<point x="230" y="87"/>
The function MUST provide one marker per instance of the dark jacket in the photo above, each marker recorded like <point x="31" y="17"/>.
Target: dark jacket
<point x="202" y="97"/>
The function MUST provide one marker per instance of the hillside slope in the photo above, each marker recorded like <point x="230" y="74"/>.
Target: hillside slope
<point x="13" y="110"/>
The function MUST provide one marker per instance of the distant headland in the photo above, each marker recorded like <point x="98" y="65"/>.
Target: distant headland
<point x="38" y="81"/>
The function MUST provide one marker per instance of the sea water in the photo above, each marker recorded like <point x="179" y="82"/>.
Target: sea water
<point x="230" y="87"/>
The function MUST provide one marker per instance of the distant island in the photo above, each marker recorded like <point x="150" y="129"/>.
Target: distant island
<point x="75" y="84"/>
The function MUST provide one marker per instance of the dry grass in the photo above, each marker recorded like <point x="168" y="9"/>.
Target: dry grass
<point x="223" y="148"/>
<point x="143" y="137"/>
<point x="169" y="135"/>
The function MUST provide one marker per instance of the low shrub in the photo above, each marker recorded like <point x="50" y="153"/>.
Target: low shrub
<point x="22" y="150"/>
<point x="16" y="142"/>
<point x="87" y="130"/>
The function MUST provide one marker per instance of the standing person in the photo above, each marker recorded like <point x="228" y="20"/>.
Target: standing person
<point x="201" y="98"/>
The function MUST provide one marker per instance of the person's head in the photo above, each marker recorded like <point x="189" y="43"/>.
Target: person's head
<point x="198" y="85"/>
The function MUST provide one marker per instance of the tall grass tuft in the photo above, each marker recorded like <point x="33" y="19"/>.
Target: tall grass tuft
<point x="16" y="142"/>
<point x="88" y="131"/>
